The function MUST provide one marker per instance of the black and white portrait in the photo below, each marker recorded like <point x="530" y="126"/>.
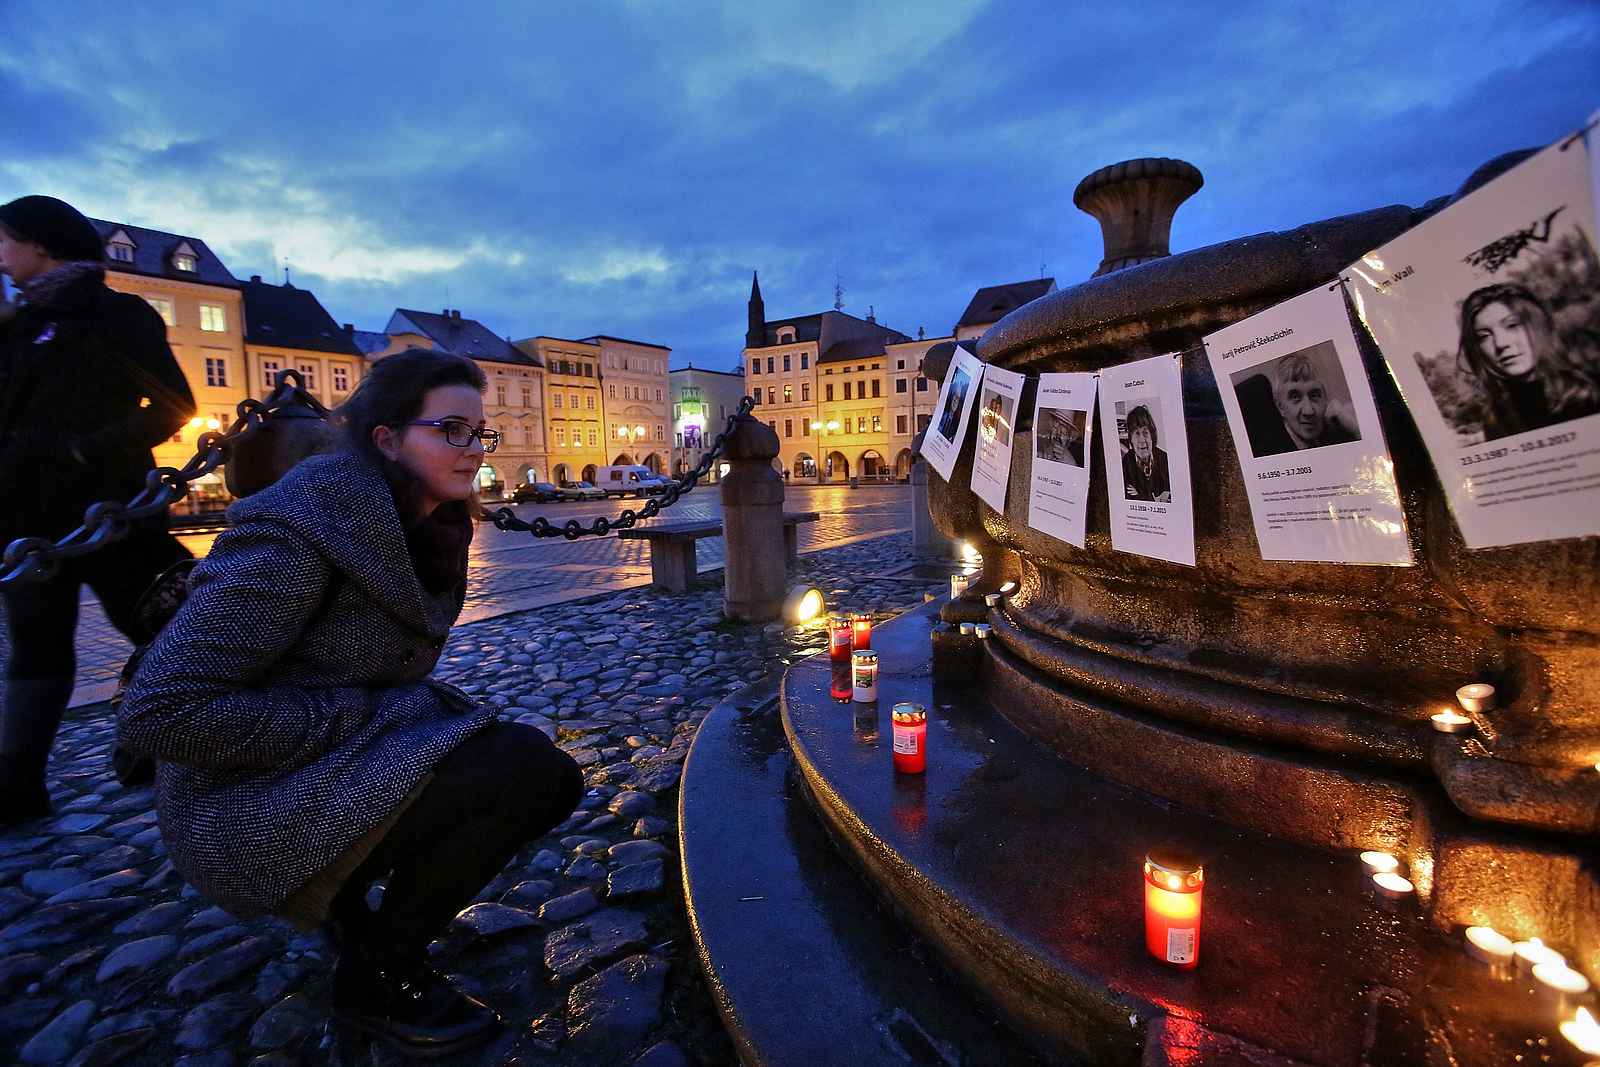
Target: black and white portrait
<point x="994" y="416"/>
<point x="1296" y="402"/>
<point x="1146" y="474"/>
<point x="955" y="400"/>
<point x="1058" y="435"/>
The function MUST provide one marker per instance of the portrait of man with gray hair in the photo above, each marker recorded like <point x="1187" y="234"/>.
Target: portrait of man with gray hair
<point x="1296" y="402"/>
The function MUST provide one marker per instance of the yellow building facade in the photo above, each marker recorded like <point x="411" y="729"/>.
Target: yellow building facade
<point x="574" y="418"/>
<point x="636" y="406"/>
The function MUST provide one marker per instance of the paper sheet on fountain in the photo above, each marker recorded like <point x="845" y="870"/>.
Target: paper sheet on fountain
<point x="941" y="444"/>
<point x="1063" y="444"/>
<point x="998" y="401"/>
<point x="1148" y="493"/>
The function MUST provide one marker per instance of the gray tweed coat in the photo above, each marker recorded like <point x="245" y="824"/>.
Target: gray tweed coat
<point x="288" y="703"/>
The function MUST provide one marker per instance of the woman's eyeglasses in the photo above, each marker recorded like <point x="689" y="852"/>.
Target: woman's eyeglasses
<point x="460" y="433"/>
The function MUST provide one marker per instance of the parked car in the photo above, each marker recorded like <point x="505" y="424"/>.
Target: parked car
<point x="630" y="480"/>
<point x="537" y="492"/>
<point x="581" y="491"/>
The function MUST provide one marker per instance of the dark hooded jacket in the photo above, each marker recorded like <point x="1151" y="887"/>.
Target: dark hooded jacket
<point x="88" y="386"/>
<point x="288" y="703"/>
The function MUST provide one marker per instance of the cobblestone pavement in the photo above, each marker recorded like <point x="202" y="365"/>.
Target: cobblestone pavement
<point x="107" y="957"/>
<point x="515" y="572"/>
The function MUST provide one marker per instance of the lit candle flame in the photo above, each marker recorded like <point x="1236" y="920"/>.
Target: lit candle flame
<point x="1583" y="1032"/>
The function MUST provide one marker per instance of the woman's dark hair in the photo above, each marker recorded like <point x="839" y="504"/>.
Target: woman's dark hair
<point x="392" y="394"/>
<point x="1140" y="416"/>
<point x="1564" y="386"/>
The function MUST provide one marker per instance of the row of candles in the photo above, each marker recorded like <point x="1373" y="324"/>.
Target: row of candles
<point x="850" y="641"/>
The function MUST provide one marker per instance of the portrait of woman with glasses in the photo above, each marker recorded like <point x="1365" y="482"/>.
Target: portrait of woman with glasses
<point x="303" y="750"/>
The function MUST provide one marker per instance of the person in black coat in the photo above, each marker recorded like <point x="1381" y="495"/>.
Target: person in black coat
<point x="1144" y="466"/>
<point x="88" y="386"/>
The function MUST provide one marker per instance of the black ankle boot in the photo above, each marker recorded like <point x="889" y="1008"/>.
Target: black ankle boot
<point x="30" y="714"/>
<point x="410" y="1005"/>
<point x="22" y="796"/>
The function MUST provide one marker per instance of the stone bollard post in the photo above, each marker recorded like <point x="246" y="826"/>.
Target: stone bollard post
<point x="927" y="542"/>
<point x="754" y="577"/>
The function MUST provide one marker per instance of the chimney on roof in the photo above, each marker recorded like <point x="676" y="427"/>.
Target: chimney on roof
<point x="256" y="278"/>
<point x="455" y="313"/>
<point x="349" y="327"/>
<point x="871" y="314"/>
<point x="445" y="314"/>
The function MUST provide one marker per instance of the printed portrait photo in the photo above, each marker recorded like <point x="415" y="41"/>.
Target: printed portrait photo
<point x="950" y="417"/>
<point x="994" y="417"/>
<point x="1058" y="435"/>
<point x="1526" y="347"/>
<point x="1145" y="475"/>
<point x="1296" y="402"/>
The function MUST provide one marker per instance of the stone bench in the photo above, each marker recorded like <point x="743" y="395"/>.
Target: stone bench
<point x="672" y="564"/>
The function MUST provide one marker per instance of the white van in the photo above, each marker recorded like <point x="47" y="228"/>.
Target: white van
<point x="632" y="480"/>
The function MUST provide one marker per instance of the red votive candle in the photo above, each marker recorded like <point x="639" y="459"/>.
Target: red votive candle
<point x="910" y="738"/>
<point x="839" y="681"/>
<point x="861" y="631"/>
<point x="839" y="638"/>
<point x="1174" y="884"/>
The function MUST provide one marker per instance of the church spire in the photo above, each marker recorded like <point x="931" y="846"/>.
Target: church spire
<point x="755" y="335"/>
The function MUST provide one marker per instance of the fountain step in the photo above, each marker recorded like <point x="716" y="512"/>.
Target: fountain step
<point x="1023" y="874"/>
<point x="805" y="968"/>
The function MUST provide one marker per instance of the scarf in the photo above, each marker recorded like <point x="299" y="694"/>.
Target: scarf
<point x="43" y="290"/>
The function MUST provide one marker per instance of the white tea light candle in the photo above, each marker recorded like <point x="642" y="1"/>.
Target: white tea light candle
<point x="958" y="585"/>
<point x="992" y="600"/>
<point x="969" y="629"/>
<point x="1451" y="722"/>
<point x="1488" y="945"/>
<point x="1583" y="1032"/>
<point x="1479" y="696"/>
<point x="1391" y="886"/>
<point x="1532" y="952"/>
<point x="1560" y="988"/>
<point x="983" y="630"/>
<point x="1379" y="862"/>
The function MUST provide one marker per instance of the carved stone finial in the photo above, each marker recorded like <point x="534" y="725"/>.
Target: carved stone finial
<point x="1134" y="201"/>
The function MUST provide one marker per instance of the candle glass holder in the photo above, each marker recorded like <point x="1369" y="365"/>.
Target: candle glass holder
<point x="839" y="680"/>
<point x="910" y="724"/>
<point x="864" y="676"/>
<point x="958" y="585"/>
<point x="860" y="631"/>
<point x="1174" y="890"/>
<point x="839" y="638"/>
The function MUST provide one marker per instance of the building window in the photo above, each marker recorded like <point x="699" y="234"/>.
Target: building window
<point x="899" y="364"/>
<point x="900" y="424"/>
<point x="590" y="398"/>
<point x="772" y="424"/>
<point x="613" y="392"/>
<point x="341" y="379"/>
<point x="120" y="252"/>
<point x="679" y="438"/>
<point x="572" y="401"/>
<point x="213" y="318"/>
<point x="788" y="394"/>
<point x="922" y="385"/>
<point x="861" y="424"/>
<point x="877" y="387"/>
<point x="658" y="396"/>
<point x="772" y="394"/>
<point x="899" y="385"/>
<point x="805" y="428"/>
<point x="308" y="371"/>
<point x="555" y="401"/>
<point x="755" y="366"/>
<point x="805" y="391"/>
<point x="755" y="395"/>
<point x="786" y="366"/>
<point x="163" y="308"/>
<point x="877" y="424"/>
<point x="527" y="396"/>
<point x="269" y="374"/>
<point x="788" y="427"/>
<point x="805" y="360"/>
<point x="499" y="394"/>
<point x="184" y="262"/>
<point x="661" y="432"/>
<point x="769" y="364"/>
<point x="594" y="438"/>
<point x="847" y="390"/>
<point x="216" y="371"/>
<point x="827" y="392"/>
<point x="922" y="422"/>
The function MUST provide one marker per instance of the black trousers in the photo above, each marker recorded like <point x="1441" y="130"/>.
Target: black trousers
<point x="42" y="623"/>
<point x="499" y="789"/>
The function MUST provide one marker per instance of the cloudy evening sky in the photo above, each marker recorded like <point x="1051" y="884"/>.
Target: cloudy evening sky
<point x="620" y="167"/>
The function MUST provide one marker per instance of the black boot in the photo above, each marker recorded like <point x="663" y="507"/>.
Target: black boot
<point x="28" y="722"/>
<point x="408" y="1004"/>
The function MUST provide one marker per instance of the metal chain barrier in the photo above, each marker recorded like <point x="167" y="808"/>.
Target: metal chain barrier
<point x="572" y="529"/>
<point x="37" y="559"/>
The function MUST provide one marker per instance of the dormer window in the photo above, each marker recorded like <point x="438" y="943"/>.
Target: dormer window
<point x="184" y="262"/>
<point x="785" y="337"/>
<point x="119" y="252"/>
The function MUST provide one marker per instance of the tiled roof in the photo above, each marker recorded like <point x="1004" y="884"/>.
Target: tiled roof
<point x="463" y="336"/>
<point x="370" y="341"/>
<point x="854" y="348"/>
<point x="623" y="340"/>
<point x="806" y="328"/>
<point x="994" y="302"/>
<point x="152" y="255"/>
<point x="284" y="316"/>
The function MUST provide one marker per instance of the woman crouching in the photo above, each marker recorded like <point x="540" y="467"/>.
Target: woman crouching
<point x="303" y="750"/>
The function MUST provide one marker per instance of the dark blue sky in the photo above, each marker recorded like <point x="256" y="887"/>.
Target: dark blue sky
<point x="621" y="167"/>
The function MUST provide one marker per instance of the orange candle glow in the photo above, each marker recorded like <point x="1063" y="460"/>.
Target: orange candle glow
<point x="839" y="638"/>
<point x="861" y="631"/>
<point x="1174" y="884"/>
<point x="910" y="724"/>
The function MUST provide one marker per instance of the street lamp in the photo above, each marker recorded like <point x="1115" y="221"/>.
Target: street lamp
<point x="832" y="426"/>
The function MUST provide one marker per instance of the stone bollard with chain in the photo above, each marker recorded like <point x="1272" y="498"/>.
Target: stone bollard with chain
<point x="754" y="577"/>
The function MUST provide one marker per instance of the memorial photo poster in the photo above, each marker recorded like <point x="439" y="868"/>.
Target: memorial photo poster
<point x="1148" y="491"/>
<point x="942" y="443"/>
<point x="1063" y="431"/>
<point x="1316" y="469"/>
<point x="998" y="400"/>
<point x="1488" y="315"/>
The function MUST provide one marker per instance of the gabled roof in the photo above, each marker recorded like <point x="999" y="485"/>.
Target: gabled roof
<point x="462" y="336"/>
<point x="286" y="317"/>
<point x="623" y="340"/>
<point x="806" y="328"/>
<point x="854" y="348"/>
<point x="152" y="255"/>
<point x="994" y="302"/>
<point x="370" y="341"/>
